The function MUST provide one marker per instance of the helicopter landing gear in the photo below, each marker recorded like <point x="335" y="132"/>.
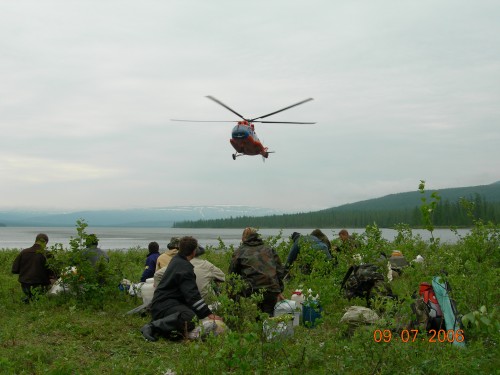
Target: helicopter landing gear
<point x="234" y="156"/>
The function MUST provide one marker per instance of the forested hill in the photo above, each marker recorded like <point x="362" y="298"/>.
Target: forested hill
<point x="386" y="212"/>
<point x="489" y="193"/>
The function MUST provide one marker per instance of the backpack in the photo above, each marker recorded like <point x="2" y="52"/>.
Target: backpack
<point x="364" y="281"/>
<point x="396" y="263"/>
<point x="427" y="309"/>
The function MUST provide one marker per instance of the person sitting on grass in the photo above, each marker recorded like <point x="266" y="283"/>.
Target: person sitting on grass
<point x="97" y="258"/>
<point x="177" y="300"/>
<point x="165" y="258"/>
<point x="150" y="267"/>
<point x="206" y="274"/>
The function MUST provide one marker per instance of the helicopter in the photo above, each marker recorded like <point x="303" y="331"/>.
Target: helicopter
<point x="243" y="136"/>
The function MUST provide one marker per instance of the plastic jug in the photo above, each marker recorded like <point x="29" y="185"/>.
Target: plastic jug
<point x="147" y="290"/>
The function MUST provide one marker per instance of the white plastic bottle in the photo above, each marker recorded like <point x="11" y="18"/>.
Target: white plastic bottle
<point x="147" y="290"/>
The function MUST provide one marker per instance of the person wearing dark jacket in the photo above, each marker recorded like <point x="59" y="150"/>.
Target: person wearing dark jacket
<point x="260" y="267"/>
<point x="149" y="269"/>
<point x="177" y="300"/>
<point x="31" y="266"/>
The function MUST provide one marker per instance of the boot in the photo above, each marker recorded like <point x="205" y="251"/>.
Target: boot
<point x="163" y="326"/>
<point x="167" y="324"/>
<point x="148" y="332"/>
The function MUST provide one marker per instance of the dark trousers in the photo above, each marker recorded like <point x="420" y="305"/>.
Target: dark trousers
<point x="33" y="290"/>
<point x="268" y="303"/>
<point x="184" y="321"/>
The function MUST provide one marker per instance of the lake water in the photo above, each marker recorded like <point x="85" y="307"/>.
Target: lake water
<point x="126" y="238"/>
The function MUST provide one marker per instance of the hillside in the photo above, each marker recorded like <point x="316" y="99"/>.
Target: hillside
<point x="401" y="206"/>
<point x="409" y="200"/>
<point x="386" y="211"/>
<point x="144" y="217"/>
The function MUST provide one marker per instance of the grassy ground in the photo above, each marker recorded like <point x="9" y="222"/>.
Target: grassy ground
<point x="62" y="335"/>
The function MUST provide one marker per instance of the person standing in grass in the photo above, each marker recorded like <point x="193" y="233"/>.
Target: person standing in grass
<point x="177" y="300"/>
<point x="31" y="266"/>
<point x="149" y="268"/>
<point x="260" y="267"/>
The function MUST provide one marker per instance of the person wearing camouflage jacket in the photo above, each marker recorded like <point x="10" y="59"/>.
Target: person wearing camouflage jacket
<point x="260" y="267"/>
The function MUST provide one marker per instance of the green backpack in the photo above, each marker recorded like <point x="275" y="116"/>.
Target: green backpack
<point x="364" y="281"/>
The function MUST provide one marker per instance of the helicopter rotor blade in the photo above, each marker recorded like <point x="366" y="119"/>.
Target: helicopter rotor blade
<point x="201" y="120"/>
<point x="225" y="106"/>
<point x="281" y="110"/>
<point x="284" y="122"/>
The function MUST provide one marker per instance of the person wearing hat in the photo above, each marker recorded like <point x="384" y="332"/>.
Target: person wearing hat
<point x="177" y="300"/>
<point x="152" y="257"/>
<point x="260" y="267"/>
<point x="165" y="258"/>
<point x="31" y="266"/>
<point x="317" y="240"/>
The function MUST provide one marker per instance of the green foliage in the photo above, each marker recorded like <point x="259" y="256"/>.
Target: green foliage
<point x="428" y="208"/>
<point x="88" y="284"/>
<point x="482" y="322"/>
<point x="88" y="333"/>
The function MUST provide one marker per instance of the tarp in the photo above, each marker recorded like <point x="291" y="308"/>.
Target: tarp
<point x="441" y="291"/>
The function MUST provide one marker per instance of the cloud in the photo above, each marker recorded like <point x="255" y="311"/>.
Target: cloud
<point x="402" y="92"/>
<point x="28" y="170"/>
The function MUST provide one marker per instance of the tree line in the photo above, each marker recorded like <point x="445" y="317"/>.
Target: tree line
<point x="460" y="213"/>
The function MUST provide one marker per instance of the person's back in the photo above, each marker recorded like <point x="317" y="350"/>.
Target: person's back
<point x="260" y="267"/>
<point x="206" y="273"/>
<point x="96" y="257"/>
<point x="258" y="264"/>
<point x="31" y="266"/>
<point x="151" y="259"/>
<point x="165" y="258"/>
<point x="311" y="241"/>
<point x="177" y="300"/>
<point x="92" y="252"/>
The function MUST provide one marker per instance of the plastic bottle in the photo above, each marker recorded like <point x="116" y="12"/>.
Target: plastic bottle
<point x="147" y="290"/>
<point x="298" y="297"/>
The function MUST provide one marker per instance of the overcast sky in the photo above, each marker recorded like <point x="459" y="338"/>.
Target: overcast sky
<point x="403" y="91"/>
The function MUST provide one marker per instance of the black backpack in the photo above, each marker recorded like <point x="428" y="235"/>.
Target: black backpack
<point x="364" y="281"/>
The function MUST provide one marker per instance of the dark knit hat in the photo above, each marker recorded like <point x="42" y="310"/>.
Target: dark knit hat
<point x="200" y="250"/>
<point x="295" y="235"/>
